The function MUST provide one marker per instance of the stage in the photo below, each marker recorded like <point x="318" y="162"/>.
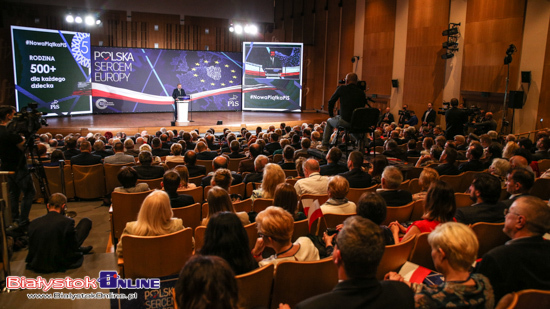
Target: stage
<point x="137" y="122"/>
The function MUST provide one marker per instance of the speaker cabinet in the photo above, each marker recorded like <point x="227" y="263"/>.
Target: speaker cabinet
<point x="526" y="77"/>
<point x="515" y="99"/>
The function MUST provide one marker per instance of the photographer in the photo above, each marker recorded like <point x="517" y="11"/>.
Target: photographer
<point x="13" y="159"/>
<point x="487" y="124"/>
<point x="455" y="119"/>
<point x="351" y="97"/>
<point x="404" y="115"/>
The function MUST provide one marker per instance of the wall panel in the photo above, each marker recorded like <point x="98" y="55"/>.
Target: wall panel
<point x="347" y="39"/>
<point x="378" y="45"/>
<point x="544" y="101"/>
<point x="424" y="69"/>
<point x="491" y="26"/>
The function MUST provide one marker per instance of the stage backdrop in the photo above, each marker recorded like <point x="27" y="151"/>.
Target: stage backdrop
<point x="52" y="68"/>
<point x="273" y="76"/>
<point x="130" y="80"/>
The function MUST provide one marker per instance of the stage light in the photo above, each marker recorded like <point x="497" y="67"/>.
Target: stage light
<point x="89" y="20"/>
<point x="78" y="20"/>
<point x="449" y="32"/>
<point x="69" y="19"/>
<point x="231" y="28"/>
<point x="253" y="29"/>
<point x="238" y="29"/>
<point x="246" y="28"/>
<point x="447" y="56"/>
<point x="449" y="44"/>
<point x="97" y="22"/>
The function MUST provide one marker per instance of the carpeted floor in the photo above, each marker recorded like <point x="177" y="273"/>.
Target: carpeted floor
<point x="93" y="263"/>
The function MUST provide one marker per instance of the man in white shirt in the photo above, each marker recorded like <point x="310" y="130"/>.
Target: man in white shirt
<point x="313" y="183"/>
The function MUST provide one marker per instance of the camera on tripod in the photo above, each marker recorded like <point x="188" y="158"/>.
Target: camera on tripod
<point x="443" y="110"/>
<point x="27" y="121"/>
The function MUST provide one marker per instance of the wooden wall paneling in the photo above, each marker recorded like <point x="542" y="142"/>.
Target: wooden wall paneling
<point x="289" y="20"/>
<point x="378" y="45"/>
<point x="424" y="69"/>
<point x="544" y="100"/>
<point x="491" y="26"/>
<point x="317" y="59"/>
<point x="333" y="51"/>
<point x="347" y="38"/>
<point x="298" y="18"/>
<point x="309" y="64"/>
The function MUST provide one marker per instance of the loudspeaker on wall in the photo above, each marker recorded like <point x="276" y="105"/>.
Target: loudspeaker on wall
<point x="516" y="99"/>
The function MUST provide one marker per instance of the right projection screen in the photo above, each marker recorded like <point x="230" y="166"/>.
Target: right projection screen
<point x="272" y="76"/>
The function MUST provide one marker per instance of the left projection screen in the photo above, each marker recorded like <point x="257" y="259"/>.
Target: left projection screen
<point x="52" y="68"/>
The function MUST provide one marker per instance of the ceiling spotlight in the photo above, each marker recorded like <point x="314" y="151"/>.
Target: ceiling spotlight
<point x="253" y="29"/>
<point x="69" y="19"/>
<point x="246" y="28"/>
<point x="449" y="44"/>
<point x="238" y="29"/>
<point x="97" y="22"/>
<point x="89" y="20"/>
<point x="452" y="31"/>
<point x="78" y="20"/>
<point x="231" y="28"/>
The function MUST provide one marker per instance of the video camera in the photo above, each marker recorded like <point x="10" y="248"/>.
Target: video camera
<point x="361" y="83"/>
<point x="27" y="121"/>
<point x="443" y="110"/>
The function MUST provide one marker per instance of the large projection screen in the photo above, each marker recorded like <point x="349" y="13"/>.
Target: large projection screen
<point x="272" y="76"/>
<point x="52" y="68"/>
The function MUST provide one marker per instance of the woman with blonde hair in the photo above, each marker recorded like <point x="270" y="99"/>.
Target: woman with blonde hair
<point x="154" y="219"/>
<point x="184" y="177"/>
<point x="218" y="200"/>
<point x="273" y="175"/>
<point x="275" y="227"/>
<point x="427" y="177"/>
<point x="454" y="249"/>
<point x="509" y="150"/>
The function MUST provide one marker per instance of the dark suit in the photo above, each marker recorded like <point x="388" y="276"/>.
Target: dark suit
<point x="447" y="169"/>
<point x="236" y="155"/>
<point x="253" y="177"/>
<point x="455" y="119"/>
<point x="103" y="153"/>
<point x="160" y="152"/>
<point x="397" y="153"/>
<point x="396" y="197"/>
<point x="178" y="93"/>
<point x="331" y="169"/>
<point x="196" y="170"/>
<point x="246" y="165"/>
<point x="541" y="155"/>
<point x="428" y="116"/>
<point x="149" y="171"/>
<point x="85" y="158"/>
<point x="413" y="153"/>
<point x="180" y="200"/>
<point x="510" y="201"/>
<point x="386" y="115"/>
<point x="357" y="178"/>
<point x="482" y="212"/>
<point x="69" y="153"/>
<point x="271" y="147"/>
<point x="518" y="265"/>
<point x="287" y="165"/>
<point x="206" y="155"/>
<point x="237" y="179"/>
<point x="473" y="165"/>
<point x="363" y="293"/>
<point x="54" y="242"/>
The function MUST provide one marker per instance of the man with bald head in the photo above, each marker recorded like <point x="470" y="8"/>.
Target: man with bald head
<point x="351" y="97"/>
<point x="190" y="159"/>
<point x="521" y="263"/>
<point x="313" y="183"/>
<point x="217" y="163"/>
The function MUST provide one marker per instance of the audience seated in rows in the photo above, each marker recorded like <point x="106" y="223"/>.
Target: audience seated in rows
<point x="194" y="170"/>
<point x="273" y="175"/>
<point x="85" y="157"/>
<point x="170" y="183"/>
<point x="391" y="179"/>
<point x="454" y="249"/>
<point x="285" y="197"/>
<point x="128" y="177"/>
<point x="154" y="219"/>
<point x="218" y="200"/>
<point x="247" y="165"/>
<point x="379" y="163"/>
<point x="259" y="164"/>
<point x="439" y="207"/>
<point x="176" y="150"/>
<point x="314" y="182"/>
<point x="146" y="170"/>
<point x="519" y="182"/>
<point x="356" y="177"/>
<point x="184" y="177"/>
<point x="288" y="162"/>
<point x="337" y="202"/>
<point x="521" y="263"/>
<point x="119" y="157"/>
<point x="473" y="154"/>
<point x="221" y="162"/>
<point x="485" y="191"/>
<point x="427" y="177"/>
<point x="275" y="227"/>
<point x="333" y="166"/>
<point x="226" y="237"/>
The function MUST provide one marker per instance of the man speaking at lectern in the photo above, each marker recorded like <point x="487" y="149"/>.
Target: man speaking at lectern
<point x="177" y="94"/>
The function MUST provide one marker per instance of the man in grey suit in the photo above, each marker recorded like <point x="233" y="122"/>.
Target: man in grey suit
<point x="119" y="157"/>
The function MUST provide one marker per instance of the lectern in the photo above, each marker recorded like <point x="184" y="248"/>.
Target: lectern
<point x="183" y="110"/>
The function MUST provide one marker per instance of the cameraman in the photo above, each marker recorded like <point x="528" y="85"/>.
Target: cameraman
<point x="351" y="97"/>
<point x="485" y="125"/>
<point x="455" y="119"/>
<point x="13" y="159"/>
<point x="404" y="115"/>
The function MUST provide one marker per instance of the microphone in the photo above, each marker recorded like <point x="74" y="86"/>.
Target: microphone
<point x="511" y="49"/>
